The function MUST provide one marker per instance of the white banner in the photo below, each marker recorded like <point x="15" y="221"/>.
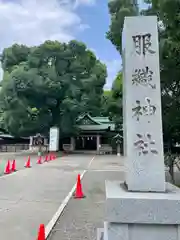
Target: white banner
<point x="54" y="139"/>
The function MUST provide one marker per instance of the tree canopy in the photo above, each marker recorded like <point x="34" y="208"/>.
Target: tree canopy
<point x="168" y="13"/>
<point x="112" y="102"/>
<point x="47" y="85"/>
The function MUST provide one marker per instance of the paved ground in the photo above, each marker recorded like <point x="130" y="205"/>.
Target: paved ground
<point x="20" y="158"/>
<point x="107" y="162"/>
<point x="81" y="218"/>
<point x="32" y="196"/>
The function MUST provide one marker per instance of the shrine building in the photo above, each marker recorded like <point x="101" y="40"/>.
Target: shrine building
<point x="94" y="134"/>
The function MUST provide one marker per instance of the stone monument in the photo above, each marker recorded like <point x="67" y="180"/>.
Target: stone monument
<point x="142" y="106"/>
<point x="144" y="206"/>
<point x="54" y="139"/>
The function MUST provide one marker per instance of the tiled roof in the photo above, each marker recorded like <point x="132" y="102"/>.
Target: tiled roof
<point x="87" y="123"/>
<point x="102" y="119"/>
<point x="97" y="127"/>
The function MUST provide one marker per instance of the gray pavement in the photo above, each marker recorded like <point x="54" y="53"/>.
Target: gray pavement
<point x="81" y="218"/>
<point x="107" y="163"/>
<point x="32" y="196"/>
<point x="20" y="157"/>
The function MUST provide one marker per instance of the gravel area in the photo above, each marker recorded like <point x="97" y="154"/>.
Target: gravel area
<point x="81" y="218"/>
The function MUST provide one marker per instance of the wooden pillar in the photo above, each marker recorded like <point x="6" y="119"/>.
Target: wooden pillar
<point x="30" y="142"/>
<point x="97" y="143"/>
<point x="72" y="144"/>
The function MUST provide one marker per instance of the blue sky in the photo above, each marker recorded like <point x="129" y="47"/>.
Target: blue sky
<point x="98" y="19"/>
<point x="31" y="22"/>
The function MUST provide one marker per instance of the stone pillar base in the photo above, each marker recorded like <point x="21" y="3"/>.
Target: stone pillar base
<point x="137" y="215"/>
<point x="100" y="234"/>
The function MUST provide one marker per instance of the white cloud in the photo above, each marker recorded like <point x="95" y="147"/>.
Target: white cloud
<point x="85" y="2"/>
<point x="31" y="22"/>
<point x="113" y="67"/>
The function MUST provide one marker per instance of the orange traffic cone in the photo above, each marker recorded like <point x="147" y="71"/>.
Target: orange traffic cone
<point x="79" y="192"/>
<point x="28" y="163"/>
<point x="7" y="168"/>
<point x="39" y="161"/>
<point x="41" y="232"/>
<point x="52" y="156"/>
<point x="46" y="158"/>
<point x="13" y="168"/>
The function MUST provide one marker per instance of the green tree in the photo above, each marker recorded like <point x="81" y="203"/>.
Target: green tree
<point x="112" y="102"/>
<point x="119" y="9"/>
<point x="168" y="13"/>
<point x="51" y="85"/>
<point x="106" y="100"/>
<point x="116" y="105"/>
<point x="13" y="56"/>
